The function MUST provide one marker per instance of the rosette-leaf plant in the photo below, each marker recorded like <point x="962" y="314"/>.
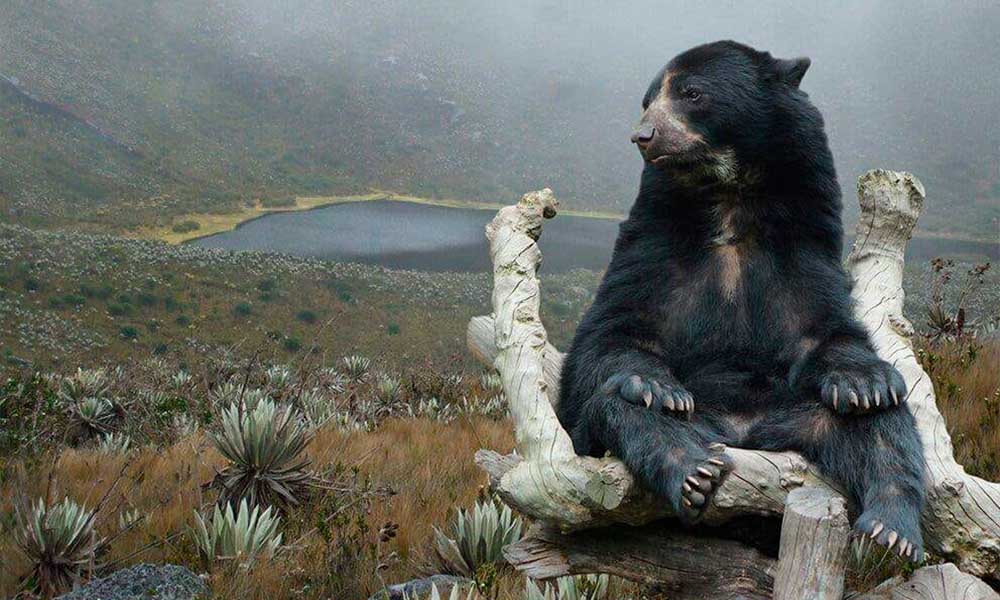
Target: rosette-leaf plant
<point x="83" y="384"/>
<point x="114" y="443"/>
<point x="59" y="541"/>
<point x="93" y="416"/>
<point x="435" y="594"/>
<point x="242" y="535"/>
<point x="264" y="446"/>
<point x="478" y="537"/>
<point x="579" y="587"/>
<point x="356" y="367"/>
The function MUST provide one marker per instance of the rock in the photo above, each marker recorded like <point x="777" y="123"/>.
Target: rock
<point x="420" y="588"/>
<point x="143" y="582"/>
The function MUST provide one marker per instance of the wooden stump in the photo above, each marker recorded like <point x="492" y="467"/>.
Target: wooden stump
<point x="815" y="534"/>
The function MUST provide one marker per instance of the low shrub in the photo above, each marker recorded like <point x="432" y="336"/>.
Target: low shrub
<point x="116" y="309"/>
<point x="147" y="299"/>
<point x="241" y="536"/>
<point x="186" y="227"/>
<point x="282" y="202"/>
<point x="59" y="542"/>
<point x="265" y="447"/>
<point x="478" y="537"/>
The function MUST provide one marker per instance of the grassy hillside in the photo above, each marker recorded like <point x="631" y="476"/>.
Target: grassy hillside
<point x="72" y="298"/>
<point x="90" y="299"/>
<point x="117" y="114"/>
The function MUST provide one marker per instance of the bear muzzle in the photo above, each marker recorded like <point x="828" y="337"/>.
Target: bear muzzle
<point x="663" y="136"/>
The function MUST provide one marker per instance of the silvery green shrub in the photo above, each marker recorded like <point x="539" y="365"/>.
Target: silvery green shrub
<point x="85" y="383"/>
<point x="264" y="446"/>
<point x="356" y="367"/>
<point x="59" y="541"/>
<point x="579" y="587"/>
<point x="93" y="415"/>
<point x="456" y="594"/>
<point x="114" y="443"/>
<point x="478" y="537"/>
<point x="243" y="535"/>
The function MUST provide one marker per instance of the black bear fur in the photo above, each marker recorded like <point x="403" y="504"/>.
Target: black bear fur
<point x="725" y="315"/>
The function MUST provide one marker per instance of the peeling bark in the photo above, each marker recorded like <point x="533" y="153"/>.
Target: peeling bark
<point x="687" y="566"/>
<point x="961" y="522"/>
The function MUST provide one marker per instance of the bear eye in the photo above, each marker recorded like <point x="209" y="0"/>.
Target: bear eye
<point x="692" y="94"/>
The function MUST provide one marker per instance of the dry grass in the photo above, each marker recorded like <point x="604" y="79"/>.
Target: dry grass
<point x="427" y="464"/>
<point x="966" y="378"/>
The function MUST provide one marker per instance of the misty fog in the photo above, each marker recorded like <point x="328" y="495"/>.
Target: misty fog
<point x="483" y="101"/>
<point x="903" y="85"/>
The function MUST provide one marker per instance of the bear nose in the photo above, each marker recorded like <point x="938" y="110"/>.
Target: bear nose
<point x="643" y="134"/>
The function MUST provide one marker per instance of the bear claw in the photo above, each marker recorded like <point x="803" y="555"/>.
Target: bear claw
<point x="861" y="390"/>
<point x="892" y="541"/>
<point x="650" y="393"/>
<point x="700" y="486"/>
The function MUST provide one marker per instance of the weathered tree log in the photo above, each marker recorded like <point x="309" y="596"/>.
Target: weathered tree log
<point x="687" y="565"/>
<point x="554" y="486"/>
<point x="815" y="534"/>
<point x="962" y="520"/>
<point x="481" y="340"/>
<point x="940" y="582"/>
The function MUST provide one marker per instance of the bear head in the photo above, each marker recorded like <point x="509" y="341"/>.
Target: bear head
<point x="714" y="107"/>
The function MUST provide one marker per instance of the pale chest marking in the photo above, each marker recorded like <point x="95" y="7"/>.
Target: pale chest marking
<point x="727" y="252"/>
<point x="730" y="270"/>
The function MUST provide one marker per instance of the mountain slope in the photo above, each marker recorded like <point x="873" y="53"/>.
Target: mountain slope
<point x="115" y="113"/>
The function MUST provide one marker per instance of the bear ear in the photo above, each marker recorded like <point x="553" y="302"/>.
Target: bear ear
<point x="792" y="70"/>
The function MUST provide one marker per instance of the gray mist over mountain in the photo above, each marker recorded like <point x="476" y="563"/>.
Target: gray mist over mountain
<point x="486" y="100"/>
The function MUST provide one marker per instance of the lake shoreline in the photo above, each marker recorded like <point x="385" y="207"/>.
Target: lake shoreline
<point x="400" y="233"/>
<point x="214" y="224"/>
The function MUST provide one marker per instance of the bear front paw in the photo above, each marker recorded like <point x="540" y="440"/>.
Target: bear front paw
<point x="651" y="393"/>
<point x="863" y="389"/>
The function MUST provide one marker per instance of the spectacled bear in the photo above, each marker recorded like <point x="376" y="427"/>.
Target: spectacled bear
<point x="725" y="316"/>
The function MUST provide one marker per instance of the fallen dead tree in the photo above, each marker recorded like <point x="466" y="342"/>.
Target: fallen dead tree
<point x="565" y="493"/>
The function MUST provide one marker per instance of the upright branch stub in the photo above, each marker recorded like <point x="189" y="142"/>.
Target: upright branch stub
<point x="520" y="336"/>
<point x="891" y="203"/>
<point x="961" y="520"/>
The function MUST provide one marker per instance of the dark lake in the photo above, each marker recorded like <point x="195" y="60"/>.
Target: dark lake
<point x="404" y="235"/>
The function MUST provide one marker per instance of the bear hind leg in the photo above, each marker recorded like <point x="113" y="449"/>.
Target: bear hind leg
<point x="877" y="458"/>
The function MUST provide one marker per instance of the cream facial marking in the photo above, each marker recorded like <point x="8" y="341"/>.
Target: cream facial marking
<point x="662" y="114"/>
